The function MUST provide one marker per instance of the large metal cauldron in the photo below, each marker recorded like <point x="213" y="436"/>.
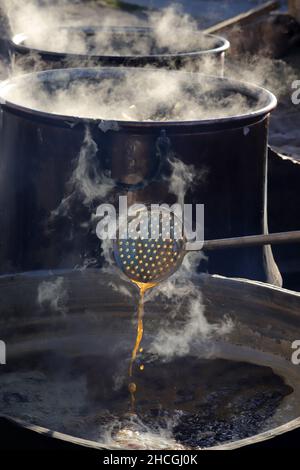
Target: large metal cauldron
<point x="69" y="337"/>
<point x="208" y="56"/>
<point x="48" y="164"/>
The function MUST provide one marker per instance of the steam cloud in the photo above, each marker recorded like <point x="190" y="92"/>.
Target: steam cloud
<point x="275" y="75"/>
<point x="86" y="182"/>
<point x="53" y="294"/>
<point x="173" y="31"/>
<point x="87" y="187"/>
<point x="132" y="95"/>
<point x="137" y="434"/>
<point x="138" y="97"/>
<point x="37" y="22"/>
<point x="175" y="338"/>
<point x="183" y="178"/>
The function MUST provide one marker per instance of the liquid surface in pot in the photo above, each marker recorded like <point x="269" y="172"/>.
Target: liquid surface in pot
<point x="186" y="402"/>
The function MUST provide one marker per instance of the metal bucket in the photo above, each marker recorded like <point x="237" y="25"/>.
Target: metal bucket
<point x="207" y="59"/>
<point x="69" y="337"/>
<point x="43" y="153"/>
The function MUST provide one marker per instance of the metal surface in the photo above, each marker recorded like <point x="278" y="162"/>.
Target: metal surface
<point x="155" y="250"/>
<point x="28" y="58"/>
<point x="283" y="212"/>
<point x="41" y="152"/>
<point x="85" y="337"/>
<point x="254" y="240"/>
<point x="150" y="254"/>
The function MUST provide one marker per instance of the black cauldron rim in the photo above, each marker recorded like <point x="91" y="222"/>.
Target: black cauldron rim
<point x="221" y="45"/>
<point x="235" y="121"/>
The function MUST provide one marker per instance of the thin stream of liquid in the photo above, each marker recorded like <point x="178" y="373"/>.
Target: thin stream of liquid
<point x="139" y="336"/>
<point x="146" y="262"/>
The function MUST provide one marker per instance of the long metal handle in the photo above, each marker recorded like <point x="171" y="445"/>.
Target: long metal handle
<point x="253" y="240"/>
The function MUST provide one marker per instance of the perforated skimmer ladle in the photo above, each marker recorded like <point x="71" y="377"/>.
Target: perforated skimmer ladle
<point x="153" y="258"/>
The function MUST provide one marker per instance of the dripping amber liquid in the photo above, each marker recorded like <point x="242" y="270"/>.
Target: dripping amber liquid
<point x="143" y="287"/>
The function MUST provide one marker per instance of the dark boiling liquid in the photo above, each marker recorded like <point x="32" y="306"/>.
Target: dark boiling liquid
<point x="200" y="402"/>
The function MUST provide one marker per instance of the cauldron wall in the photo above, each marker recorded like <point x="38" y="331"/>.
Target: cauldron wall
<point x="38" y="156"/>
<point x="284" y="213"/>
<point x="234" y="166"/>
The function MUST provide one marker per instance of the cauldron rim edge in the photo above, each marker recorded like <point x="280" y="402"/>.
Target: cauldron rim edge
<point x="255" y="90"/>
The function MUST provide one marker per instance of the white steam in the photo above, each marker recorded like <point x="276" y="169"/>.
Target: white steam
<point x="275" y="75"/>
<point x="186" y="321"/>
<point x="177" y="31"/>
<point x="136" y="434"/>
<point x="120" y="288"/>
<point x="172" y="342"/>
<point x="131" y="95"/>
<point x="87" y="186"/>
<point x="53" y="295"/>
<point x="53" y="28"/>
<point x="173" y="31"/>
<point x="138" y="97"/>
<point x="184" y="177"/>
<point x="86" y="178"/>
<point x="87" y="183"/>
